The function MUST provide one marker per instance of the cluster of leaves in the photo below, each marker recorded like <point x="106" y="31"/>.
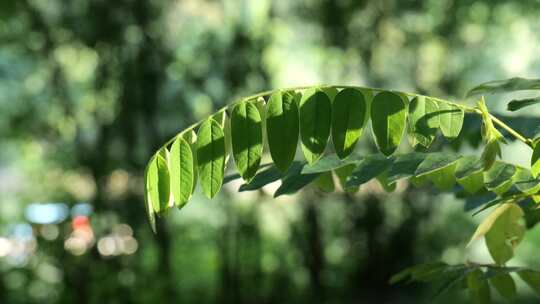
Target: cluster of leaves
<point x="309" y="116"/>
<point x="478" y="279"/>
<point x="312" y="116"/>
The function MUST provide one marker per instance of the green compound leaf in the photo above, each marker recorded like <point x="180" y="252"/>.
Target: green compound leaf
<point x="388" y="118"/>
<point x="211" y="155"/>
<point x="371" y="167"/>
<point x="182" y="171"/>
<point x="423" y="121"/>
<point x="478" y="287"/>
<point x="315" y="120"/>
<point x="506" y="85"/>
<point x="282" y="128"/>
<point x="505" y="233"/>
<point x="158" y="183"/>
<point x="348" y="119"/>
<point x="246" y="134"/>
<point x="535" y="160"/>
<point x="450" y="120"/>
<point x="263" y="178"/>
<point x="517" y="104"/>
<point x="505" y="285"/>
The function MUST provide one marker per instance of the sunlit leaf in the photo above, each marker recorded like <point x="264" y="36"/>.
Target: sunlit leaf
<point x="158" y="183"/>
<point x="315" y="120"/>
<point x="423" y="121"/>
<point x="348" y="120"/>
<point x="211" y="156"/>
<point x="506" y="85"/>
<point x="282" y="128"/>
<point x="450" y="120"/>
<point x="182" y="171"/>
<point x="246" y="133"/>
<point x="388" y="117"/>
<point x="505" y="233"/>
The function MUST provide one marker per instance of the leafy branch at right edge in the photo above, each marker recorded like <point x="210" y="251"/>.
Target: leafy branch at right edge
<point x="504" y="228"/>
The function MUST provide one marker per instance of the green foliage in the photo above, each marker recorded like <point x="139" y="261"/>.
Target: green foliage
<point x="450" y="120"/>
<point x="246" y="134"/>
<point x="388" y="117"/>
<point x="312" y="114"/>
<point x="348" y="119"/>
<point x="282" y="127"/>
<point x="211" y="154"/>
<point x="423" y="122"/>
<point x="315" y="121"/>
<point x="182" y="171"/>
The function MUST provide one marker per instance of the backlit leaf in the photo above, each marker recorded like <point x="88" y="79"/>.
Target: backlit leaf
<point x="211" y="156"/>
<point x="182" y="171"/>
<point x="505" y="233"/>
<point x="158" y="183"/>
<point x="450" y="120"/>
<point x="388" y="117"/>
<point x="423" y="121"/>
<point x="315" y="120"/>
<point x="246" y="133"/>
<point x="348" y="120"/>
<point x="282" y="128"/>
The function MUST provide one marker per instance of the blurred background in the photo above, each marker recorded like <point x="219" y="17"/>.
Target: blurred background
<point x="89" y="89"/>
